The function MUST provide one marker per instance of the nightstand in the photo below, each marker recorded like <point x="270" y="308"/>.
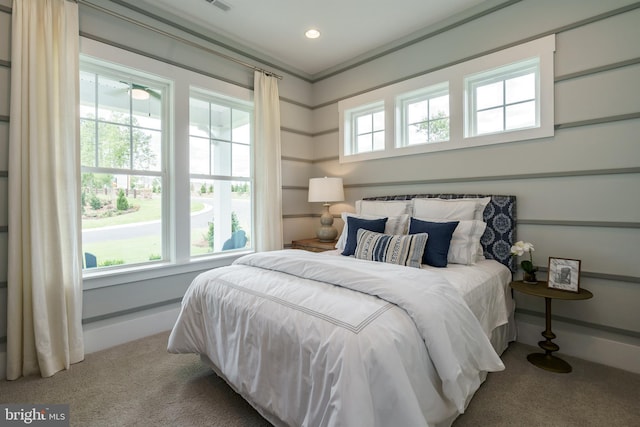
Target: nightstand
<point x="313" y="245"/>
<point x="547" y="360"/>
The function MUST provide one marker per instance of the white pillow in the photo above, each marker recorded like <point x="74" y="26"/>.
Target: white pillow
<point x="395" y="225"/>
<point x="383" y="207"/>
<point x="461" y="209"/>
<point x="440" y="208"/>
<point x="465" y="242"/>
<point x="481" y="204"/>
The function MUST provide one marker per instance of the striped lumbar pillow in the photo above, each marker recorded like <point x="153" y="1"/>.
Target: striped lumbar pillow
<point x="394" y="249"/>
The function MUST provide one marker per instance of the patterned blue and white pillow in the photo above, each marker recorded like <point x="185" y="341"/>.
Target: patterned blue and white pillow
<point x="393" y="249"/>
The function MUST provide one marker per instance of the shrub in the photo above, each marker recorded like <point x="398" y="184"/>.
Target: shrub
<point x="235" y="223"/>
<point x="95" y="202"/>
<point x="210" y="235"/>
<point x="122" y="203"/>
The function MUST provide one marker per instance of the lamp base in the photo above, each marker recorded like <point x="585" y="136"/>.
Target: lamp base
<point x="327" y="232"/>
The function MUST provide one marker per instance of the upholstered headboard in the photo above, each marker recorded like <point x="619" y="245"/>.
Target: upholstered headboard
<point x="500" y="216"/>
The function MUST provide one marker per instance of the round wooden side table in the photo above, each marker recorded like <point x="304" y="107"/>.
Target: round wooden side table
<point x="547" y="360"/>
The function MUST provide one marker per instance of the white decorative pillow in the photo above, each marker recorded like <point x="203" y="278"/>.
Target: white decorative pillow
<point x="440" y="208"/>
<point x="383" y="207"/>
<point x="395" y="225"/>
<point x="465" y="242"/>
<point x="481" y="204"/>
<point x="464" y="209"/>
<point x="402" y="250"/>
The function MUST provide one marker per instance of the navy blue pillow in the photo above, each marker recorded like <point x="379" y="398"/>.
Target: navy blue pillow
<point x="437" y="250"/>
<point x="354" y="224"/>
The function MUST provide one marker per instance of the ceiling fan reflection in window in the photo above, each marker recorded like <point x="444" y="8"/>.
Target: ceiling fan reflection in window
<point x="141" y="92"/>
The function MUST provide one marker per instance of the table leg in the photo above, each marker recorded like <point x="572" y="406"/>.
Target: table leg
<point x="547" y="360"/>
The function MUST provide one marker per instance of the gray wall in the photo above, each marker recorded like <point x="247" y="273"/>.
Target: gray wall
<point x="578" y="192"/>
<point x="138" y="297"/>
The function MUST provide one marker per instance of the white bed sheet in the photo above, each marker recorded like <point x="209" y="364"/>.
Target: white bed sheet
<point x="306" y="352"/>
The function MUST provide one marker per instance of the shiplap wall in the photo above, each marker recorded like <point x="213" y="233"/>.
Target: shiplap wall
<point x="578" y="192"/>
<point x="138" y="306"/>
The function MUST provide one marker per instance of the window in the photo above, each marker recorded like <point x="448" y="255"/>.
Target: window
<point x="425" y="116"/>
<point x="503" y="99"/>
<point x="369" y="132"/>
<point x="150" y="133"/>
<point x="505" y="96"/>
<point x="123" y="120"/>
<point x="368" y="128"/>
<point x="220" y="135"/>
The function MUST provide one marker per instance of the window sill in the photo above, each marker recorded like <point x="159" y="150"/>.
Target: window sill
<point x="104" y="278"/>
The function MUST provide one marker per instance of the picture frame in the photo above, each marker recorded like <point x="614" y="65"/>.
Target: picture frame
<point x="564" y="274"/>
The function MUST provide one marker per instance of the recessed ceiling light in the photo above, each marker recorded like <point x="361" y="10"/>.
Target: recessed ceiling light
<point x="312" y="34"/>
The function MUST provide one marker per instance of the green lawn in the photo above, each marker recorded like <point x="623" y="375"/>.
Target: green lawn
<point x="131" y="251"/>
<point x="140" y="249"/>
<point x="148" y="210"/>
<point x="135" y="250"/>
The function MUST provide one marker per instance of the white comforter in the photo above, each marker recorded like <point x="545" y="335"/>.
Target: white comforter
<point x="288" y="332"/>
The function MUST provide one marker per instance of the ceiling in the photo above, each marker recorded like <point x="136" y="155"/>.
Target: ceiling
<point x="274" y="29"/>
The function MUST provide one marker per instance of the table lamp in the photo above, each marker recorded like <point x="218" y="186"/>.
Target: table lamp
<point x="326" y="190"/>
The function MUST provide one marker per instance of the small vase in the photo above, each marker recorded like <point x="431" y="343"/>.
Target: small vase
<point x="529" y="278"/>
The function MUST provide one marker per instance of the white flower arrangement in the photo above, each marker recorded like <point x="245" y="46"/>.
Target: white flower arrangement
<point x="519" y="249"/>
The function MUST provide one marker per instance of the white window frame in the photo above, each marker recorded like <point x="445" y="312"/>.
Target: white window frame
<point x="500" y="75"/>
<point x="115" y="71"/>
<point x="403" y="101"/>
<point x="542" y="48"/>
<point x="353" y="116"/>
<point x="223" y="213"/>
<point x="179" y="259"/>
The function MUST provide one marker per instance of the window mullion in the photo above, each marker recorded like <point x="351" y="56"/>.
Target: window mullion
<point x="428" y="123"/>
<point x="210" y="137"/>
<point x="96" y="125"/>
<point x="373" y="131"/>
<point x="231" y="143"/>
<point x="130" y="127"/>
<point x="504" y="104"/>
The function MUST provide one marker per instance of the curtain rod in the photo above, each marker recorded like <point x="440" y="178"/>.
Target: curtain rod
<point x="178" y="38"/>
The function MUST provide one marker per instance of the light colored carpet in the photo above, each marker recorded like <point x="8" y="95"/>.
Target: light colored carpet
<point x="140" y="384"/>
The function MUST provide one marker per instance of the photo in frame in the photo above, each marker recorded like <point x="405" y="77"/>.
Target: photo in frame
<point x="564" y="274"/>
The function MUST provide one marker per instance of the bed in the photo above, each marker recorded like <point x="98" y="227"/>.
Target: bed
<point x="324" y="339"/>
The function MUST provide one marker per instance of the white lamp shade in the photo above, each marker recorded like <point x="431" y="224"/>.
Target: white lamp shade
<point x="326" y="190"/>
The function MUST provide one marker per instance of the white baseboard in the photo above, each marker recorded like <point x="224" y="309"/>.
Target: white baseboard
<point x="109" y="333"/>
<point x="579" y="342"/>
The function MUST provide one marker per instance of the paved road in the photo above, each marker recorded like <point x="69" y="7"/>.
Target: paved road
<point x="199" y="219"/>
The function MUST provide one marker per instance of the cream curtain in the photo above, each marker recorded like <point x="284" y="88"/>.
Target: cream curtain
<point x="44" y="330"/>
<point x="268" y="232"/>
